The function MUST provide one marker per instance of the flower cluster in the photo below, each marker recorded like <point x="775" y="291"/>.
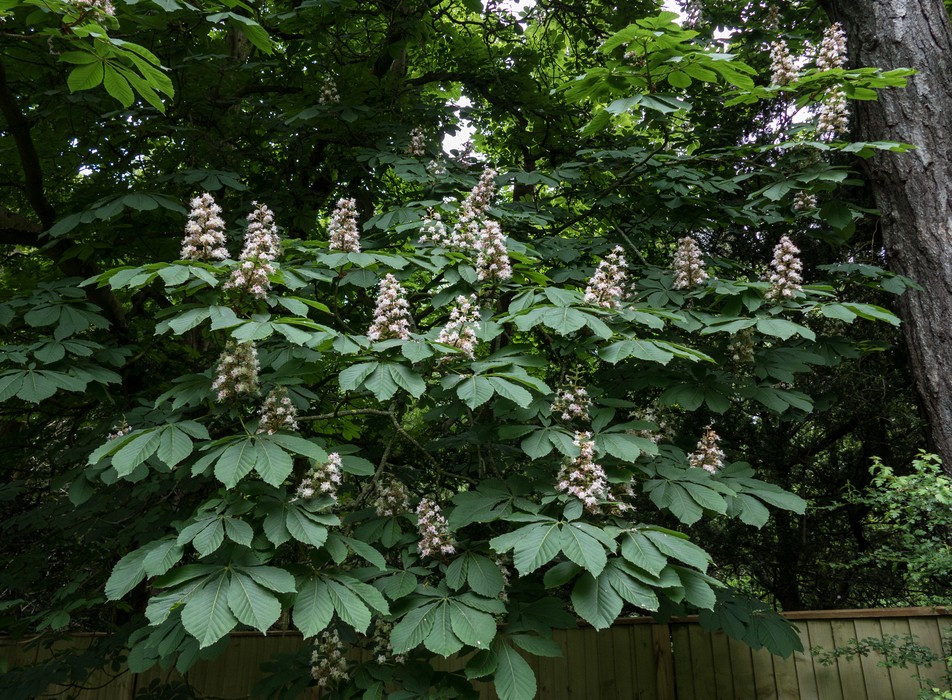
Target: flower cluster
<point x="804" y="201"/>
<point x="322" y="479"/>
<point x="460" y="330"/>
<point x="785" y="279"/>
<point x="650" y="415"/>
<point x="392" y="315"/>
<point x="582" y="477"/>
<point x="832" y="53"/>
<point x="708" y="455"/>
<point x="328" y="94"/>
<point x="435" y="168"/>
<point x="204" y="232"/>
<point x="328" y="663"/>
<point x="382" y="650"/>
<point x="262" y="246"/>
<point x="782" y="69"/>
<point x="741" y="347"/>
<point x="492" y="260"/>
<point x="236" y="372"/>
<point x="691" y="11"/>
<point x="572" y="403"/>
<point x="120" y="430"/>
<point x="834" y="115"/>
<point x="688" y="267"/>
<point x="605" y="287"/>
<point x="417" y="145"/>
<point x="277" y="412"/>
<point x="435" y="537"/>
<point x="468" y="231"/>
<point x="506" y="574"/>
<point x="392" y="499"/>
<point x="342" y="230"/>
<point x="433" y="230"/>
<point x="100" y="7"/>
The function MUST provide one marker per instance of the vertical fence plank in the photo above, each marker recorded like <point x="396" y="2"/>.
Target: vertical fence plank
<point x="683" y="662"/>
<point x="926" y="631"/>
<point x="827" y="677"/>
<point x="702" y="662"/>
<point x="765" y="685"/>
<point x="623" y="660"/>
<point x="803" y="660"/>
<point x="785" y="678"/>
<point x="851" y="670"/>
<point x="903" y="681"/>
<point x="648" y="669"/>
<point x="742" y="667"/>
<point x="878" y="681"/>
<point x="945" y="632"/>
<point x="723" y="671"/>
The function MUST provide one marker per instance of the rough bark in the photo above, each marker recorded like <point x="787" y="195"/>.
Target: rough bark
<point x="913" y="190"/>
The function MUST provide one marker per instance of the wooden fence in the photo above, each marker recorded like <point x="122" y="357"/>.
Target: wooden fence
<point x="635" y="659"/>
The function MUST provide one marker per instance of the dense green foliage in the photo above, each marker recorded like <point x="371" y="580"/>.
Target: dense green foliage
<point x="143" y="495"/>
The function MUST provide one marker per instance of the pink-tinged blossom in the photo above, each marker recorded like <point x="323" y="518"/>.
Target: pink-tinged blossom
<point x="342" y="231"/>
<point x="417" y="145"/>
<point x="382" y="650"/>
<point x="460" y="330"/>
<point x="572" y="403"/>
<point x="262" y="246"/>
<point x="783" y="71"/>
<point x="434" y="230"/>
<point x="708" y="456"/>
<point x="101" y="7"/>
<point x="392" y="314"/>
<point x="832" y="53"/>
<point x="688" y="267"/>
<point x="328" y="95"/>
<point x="834" y="115"/>
<point x="322" y="479"/>
<point x="492" y="259"/>
<point x="804" y="201"/>
<point x="120" y="430"/>
<point x="435" y="537"/>
<point x="741" y="347"/>
<point x="236" y="372"/>
<point x="785" y="278"/>
<point x="392" y="499"/>
<point x="277" y="412"/>
<point x="204" y="232"/>
<point x="583" y="478"/>
<point x="469" y="229"/>
<point x="606" y="288"/>
<point x="328" y="662"/>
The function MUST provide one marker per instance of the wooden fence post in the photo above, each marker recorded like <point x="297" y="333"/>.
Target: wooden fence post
<point x="664" y="661"/>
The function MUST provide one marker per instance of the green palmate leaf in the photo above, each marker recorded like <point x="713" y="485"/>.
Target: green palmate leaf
<point x="407" y="379"/>
<point x="513" y="392"/>
<point x="251" y="603"/>
<point x="174" y="445"/>
<point x="680" y="548"/>
<point x="631" y="589"/>
<point x="413" y="628"/>
<point x="484" y="576"/>
<point x="135" y="452"/>
<point x="271" y="577"/>
<point x="475" y="391"/>
<point x="236" y="462"/>
<point x="583" y="549"/>
<point x="313" y="609"/>
<point x="441" y="638"/>
<point x="514" y="679"/>
<point x="206" y="616"/>
<point x="303" y="528"/>
<point x="349" y="607"/>
<point x="128" y="573"/>
<point x="641" y="552"/>
<point x="273" y="464"/>
<point x="162" y="556"/>
<point x="473" y="627"/>
<point x="537" y="546"/>
<point x="596" y="601"/>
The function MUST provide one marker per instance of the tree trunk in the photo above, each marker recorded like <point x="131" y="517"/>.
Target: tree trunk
<point x="913" y="190"/>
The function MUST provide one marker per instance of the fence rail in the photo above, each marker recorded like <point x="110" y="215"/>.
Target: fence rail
<point x="637" y="659"/>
